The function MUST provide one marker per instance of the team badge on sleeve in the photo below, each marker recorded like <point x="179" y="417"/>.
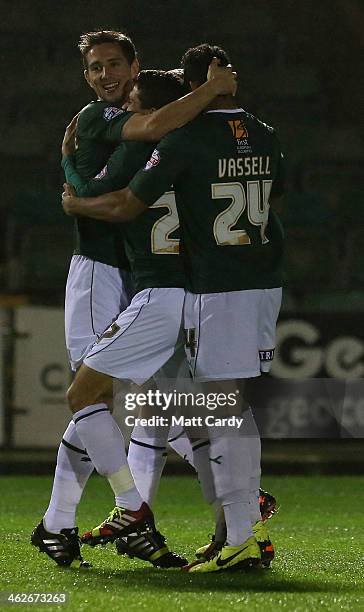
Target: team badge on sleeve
<point x="110" y="112"/>
<point x="154" y="160"/>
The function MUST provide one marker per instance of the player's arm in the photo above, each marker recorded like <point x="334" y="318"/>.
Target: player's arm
<point x="72" y="176"/>
<point x="152" y="127"/>
<point x="145" y="188"/>
<point x="121" y="166"/>
<point x="115" y="207"/>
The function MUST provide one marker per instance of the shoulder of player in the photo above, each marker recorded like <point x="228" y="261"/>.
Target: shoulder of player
<point x="99" y="109"/>
<point x="180" y="137"/>
<point x="259" y="123"/>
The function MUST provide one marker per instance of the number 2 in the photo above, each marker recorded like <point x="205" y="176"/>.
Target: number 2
<point x="160" y="241"/>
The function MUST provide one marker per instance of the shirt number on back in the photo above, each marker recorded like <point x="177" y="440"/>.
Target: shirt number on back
<point x="160" y="241"/>
<point x="255" y="200"/>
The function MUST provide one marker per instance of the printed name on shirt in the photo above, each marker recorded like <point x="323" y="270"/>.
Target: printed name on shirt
<point x="247" y="166"/>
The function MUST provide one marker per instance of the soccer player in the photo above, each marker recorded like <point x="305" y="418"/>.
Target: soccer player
<point x="152" y="250"/>
<point x="147" y="450"/>
<point x="98" y="286"/>
<point x="226" y="170"/>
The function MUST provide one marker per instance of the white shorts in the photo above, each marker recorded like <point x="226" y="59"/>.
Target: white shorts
<point x="231" y="335"/>
<point x="142" y="338"/>
<point x="95" y="295"/>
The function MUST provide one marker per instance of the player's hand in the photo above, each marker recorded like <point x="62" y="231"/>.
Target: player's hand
<point x="69" y="199"/>
<point x="69" y="142"/>
<point x="223" y="78"/>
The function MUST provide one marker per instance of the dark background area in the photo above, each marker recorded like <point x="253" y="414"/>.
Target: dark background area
<point x="299" y="70"/>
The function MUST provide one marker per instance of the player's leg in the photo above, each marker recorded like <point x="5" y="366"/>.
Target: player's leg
<point x="133" y="348"/>
<point x="86" y="402"/>
<point x="250" y="431"/>
<point x="147" y="450"/>
<point x="258" y="500"/>
<point x="95" y="294"/>
<point x="231" y="469"/>
<point x="175" y="376"/>
<point x="73" y="470"/>
<point x="101" y="435"/>
<point x="215" y="322"/>
<point x="179" y="442"/>
<point x="147" y="454"/>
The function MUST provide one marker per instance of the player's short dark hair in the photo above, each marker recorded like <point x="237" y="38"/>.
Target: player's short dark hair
<point x="90" y="39"/>
<point x="195" y="62"/>
<point x="158" y="87"/>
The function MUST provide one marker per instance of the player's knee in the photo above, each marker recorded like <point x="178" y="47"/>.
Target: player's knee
<point x="108" y="400"/>
<point x="75" y="398"/>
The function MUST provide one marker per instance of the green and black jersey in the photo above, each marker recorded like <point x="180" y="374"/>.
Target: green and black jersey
<point x="152" y="240"/>
<point x="225" y="165"/>
<point x="99" y="129"/>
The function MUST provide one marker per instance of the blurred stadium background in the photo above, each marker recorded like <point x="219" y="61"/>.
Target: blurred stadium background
<point x="299" y="70"/>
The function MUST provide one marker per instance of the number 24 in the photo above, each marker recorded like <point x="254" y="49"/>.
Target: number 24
<point x="257" y="210"/>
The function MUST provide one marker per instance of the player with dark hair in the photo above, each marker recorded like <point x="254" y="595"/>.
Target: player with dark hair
<point x="155" y="88"/>
<point x="226" y="170"/>
<point x="148" y="445"/>
<point x="152" y="245"/>
<point x="98" y="287"/>
<point x="99" y="37"/>
<point x="196" y="60"/>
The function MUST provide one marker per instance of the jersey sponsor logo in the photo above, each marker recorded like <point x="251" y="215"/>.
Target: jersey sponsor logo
<point x="240" y="134"/>
<point x="238" y="128"/>
<point x="153" y="161"/>
<point x="101" y="174"/>
<point x="110" y="112"/>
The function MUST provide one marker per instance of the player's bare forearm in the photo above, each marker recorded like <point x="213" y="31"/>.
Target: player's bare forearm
<point x="115" y="207"/>
<point x="154" y="126"/>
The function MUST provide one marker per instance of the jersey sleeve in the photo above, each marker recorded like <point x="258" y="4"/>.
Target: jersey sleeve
<point x="122" y="165"/>
<point x="167" y="161"/>
<point x="71" y="174"/>
<point x="115" y="127"/>
<point x="99" y="122"/>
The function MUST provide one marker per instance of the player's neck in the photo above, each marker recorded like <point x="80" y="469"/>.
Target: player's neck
<point x="222" y="102"/>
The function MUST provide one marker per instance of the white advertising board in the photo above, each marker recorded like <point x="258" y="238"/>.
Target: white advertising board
<point x="41" y="377"/>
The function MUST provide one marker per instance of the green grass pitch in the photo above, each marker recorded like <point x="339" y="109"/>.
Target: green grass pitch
<point x="318" y="534"/>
